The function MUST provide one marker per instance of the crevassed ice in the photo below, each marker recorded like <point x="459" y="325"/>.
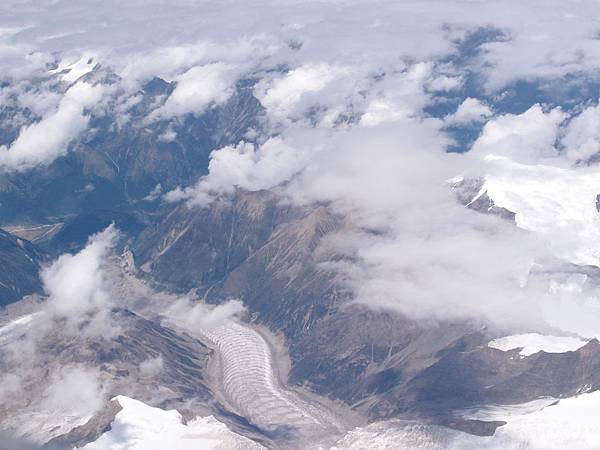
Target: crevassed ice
<point x="250" y="383"/>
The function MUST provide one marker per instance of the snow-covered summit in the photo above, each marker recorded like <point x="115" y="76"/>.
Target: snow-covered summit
<point x="141" y="427"/>
<point x="557" y="203"/>
<point x="70" y="70"/>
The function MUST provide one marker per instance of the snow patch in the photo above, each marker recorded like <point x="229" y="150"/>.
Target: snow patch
<point x="71" y="71"/>
<point x="141" y="427"/>
<point x="531" y="343"/>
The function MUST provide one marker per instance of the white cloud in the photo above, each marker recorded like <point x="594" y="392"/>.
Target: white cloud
<point x="469" y="111"/>
<point x="199" y="88"/>
<point x="154" y="193"/>
<point x="444" y="83"/>
<point x="246" y="166"/>
<point x="156" y="38"/>
<point x="399" y="95"/>
<point x="195" y="315"/>
<point x="342" y="52"/>
<point x="431" y="258"/>
<point x="10" y="384"/>
<point x="77" y="287"/>
<point x="41" y="102"/>
<point x="382" y="110"/>
<point x="44" y="141"/>
<point x="526" y="137"/>
<point x="168" y="136"/>
<point x="292" y="94"/>
<point x="75" y="390"/>
<point x="582" y="135"/>
<point x="372" y="63"/>
<point x="169" y="62"/>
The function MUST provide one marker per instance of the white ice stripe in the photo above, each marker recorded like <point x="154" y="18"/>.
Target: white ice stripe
<point x="9" y="331"/>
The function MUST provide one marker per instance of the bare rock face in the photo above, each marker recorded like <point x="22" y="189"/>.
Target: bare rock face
<point x="20" y="262"/>
<point x="214" y="241"/>
<point x="468" y="193"/>
<point x="89" y="432"/>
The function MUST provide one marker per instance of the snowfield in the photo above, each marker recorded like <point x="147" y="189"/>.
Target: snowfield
<point x="557" y="203"/>
<point x="531" y="343"/>
<point x="140" y="427"/>
<point x="71" y="71"/>
<point x="565" y="424"/>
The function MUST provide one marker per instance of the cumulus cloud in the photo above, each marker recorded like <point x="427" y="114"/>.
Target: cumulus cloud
<point x="290" y="95"/>
<point x="10" y="384"/>
<point x="194" y="315"/>
<point x="44" y="141"/>
<point x="322" y="68"/>
<point x="168" y="136"/>
<point x="526" y="137"/>
<point x="399" y="95"/>
<point x="151" y="366"/>
<point x="154" y="193"/>
<point x="171" y="61"/>
<point x="325" y="63"/>
<point x="199" y="88"/>
<point x="582" y="135"/>
<point x="246" y="166"/>
<point x="41" y="101"/>
<point x="77" y="286"/>
<point x="159" y="39"/>
<point x="75" y="391"/>
<point x="429" y="257"/>
<point x="469" y="111"/>
<point x="329" y="95"/>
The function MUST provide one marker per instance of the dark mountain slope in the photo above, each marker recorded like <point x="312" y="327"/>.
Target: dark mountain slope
<point x="19" y="268"/>
<point x="122" y="157"/>
<point x="274" y="258"/>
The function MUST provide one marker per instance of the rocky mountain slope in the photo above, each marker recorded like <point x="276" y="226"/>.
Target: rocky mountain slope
<point x="20" y="262"/>
<point x="117" y="164"/>
<point x="272" y="257"/>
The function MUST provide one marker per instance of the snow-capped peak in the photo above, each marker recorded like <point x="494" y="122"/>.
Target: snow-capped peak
<point x="141" y="427"/>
